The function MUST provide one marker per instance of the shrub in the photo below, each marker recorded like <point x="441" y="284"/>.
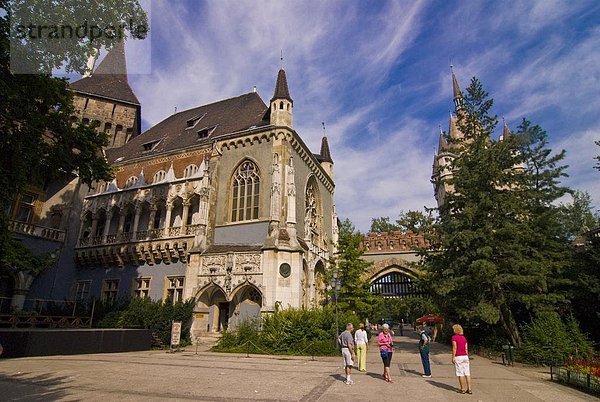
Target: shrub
<point x="549" y="340"/>
<point x="297" y="332"/>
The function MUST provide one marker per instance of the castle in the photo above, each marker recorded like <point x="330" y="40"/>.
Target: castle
<point x="223" y="202"/>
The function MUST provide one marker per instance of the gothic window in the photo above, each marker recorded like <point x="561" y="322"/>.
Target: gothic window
<point x="281" y="105"/>
<point x="159" y="176"/>
<point x="175" y="288"/>
<point x="110" y="290"/>
<point x="25" y="207"/>
<point x="131" y="181"/>
<point x="142" y="287"/>
<point x="190" y="170"/>
<point x="245" y="192"/>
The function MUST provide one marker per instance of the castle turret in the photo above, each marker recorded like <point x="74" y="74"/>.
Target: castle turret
<point x="281" y="103"/>
<point x="325" y="156"/>
<point x="106" y="97"/>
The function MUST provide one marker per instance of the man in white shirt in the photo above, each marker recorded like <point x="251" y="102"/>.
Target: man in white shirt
<point x="362" y="344"/>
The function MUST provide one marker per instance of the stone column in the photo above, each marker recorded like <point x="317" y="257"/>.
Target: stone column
<point x="152" y="217"/>
<point x="186" y="212"/>
<point x="122" y="215"/>
<point x="136" y="219"/>
<point x="109" y="216"/>
<point x="168" y="217"/>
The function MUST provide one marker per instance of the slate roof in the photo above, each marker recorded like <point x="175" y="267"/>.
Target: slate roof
<point x="281" y="87"/>
<point x="182" y="129"/>
<point x="109" y="79"/>
<point x="325" y="153"/>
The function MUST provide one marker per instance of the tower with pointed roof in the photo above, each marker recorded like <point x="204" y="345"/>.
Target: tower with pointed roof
<point x="446" y="152"/>
<point x="325" y="155"/>
<point x="106" y="97"/>
<point x="281" y="102"/>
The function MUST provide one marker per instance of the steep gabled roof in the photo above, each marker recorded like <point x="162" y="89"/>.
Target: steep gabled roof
<point x="109" y="79"/>
<point x="281" y="87"/>
<point x="197" y="126"/>
<point x="325" y="154"/>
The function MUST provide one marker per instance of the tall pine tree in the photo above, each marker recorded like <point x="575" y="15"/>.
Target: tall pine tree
<point x="498" y="252"/>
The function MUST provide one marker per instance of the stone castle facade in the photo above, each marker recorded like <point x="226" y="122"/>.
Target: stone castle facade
<point x="223" y="203"/>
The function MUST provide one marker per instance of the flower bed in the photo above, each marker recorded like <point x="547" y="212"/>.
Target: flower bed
<point x="580" y="373"/>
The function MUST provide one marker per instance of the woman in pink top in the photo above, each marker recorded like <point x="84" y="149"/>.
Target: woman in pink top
<point x="385" y="342"/>
<point x="460" y="358"/>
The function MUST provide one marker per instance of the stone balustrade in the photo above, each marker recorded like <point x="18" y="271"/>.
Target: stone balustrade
<point x="141" y="235"/>
<point x="37" y="231"/>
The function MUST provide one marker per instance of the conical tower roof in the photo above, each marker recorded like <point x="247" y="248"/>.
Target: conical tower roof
<point x="325" y="153"/>
<point x="455" y="87"/>
<point x="281" y="87"/>
<point x="505" y="130"/>
<point x="109" y="79"/>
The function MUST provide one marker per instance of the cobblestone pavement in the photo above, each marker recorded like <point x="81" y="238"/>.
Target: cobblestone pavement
<point x="207" y="376"/>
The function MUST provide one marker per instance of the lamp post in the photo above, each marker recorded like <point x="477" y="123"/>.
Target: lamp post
<point x="336" y="285"/>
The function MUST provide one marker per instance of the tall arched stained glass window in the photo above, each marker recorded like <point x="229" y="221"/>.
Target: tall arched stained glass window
<point x="245" y="186"/>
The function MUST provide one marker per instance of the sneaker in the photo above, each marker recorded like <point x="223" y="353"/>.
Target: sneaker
<point x="426" y="376"/>
<point x="349" y="382"/>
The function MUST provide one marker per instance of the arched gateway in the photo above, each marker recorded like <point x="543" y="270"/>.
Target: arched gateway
<point x="391" y="274"/>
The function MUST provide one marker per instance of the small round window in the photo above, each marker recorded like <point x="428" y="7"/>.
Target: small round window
<point x="285" y="270"/>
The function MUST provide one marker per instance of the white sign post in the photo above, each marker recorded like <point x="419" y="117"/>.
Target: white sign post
<point x="175" y="334"/>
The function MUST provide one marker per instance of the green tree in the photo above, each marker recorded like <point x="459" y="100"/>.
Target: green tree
<point x="415" y="221"/>
<point x="354" y="294"/>
<point x="39" y="142"/>
<point x="498" y="249"/>
<point x="578" y="215"/>
<point x="383" y="224"/>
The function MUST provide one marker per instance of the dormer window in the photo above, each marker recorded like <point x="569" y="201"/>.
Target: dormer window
<point x="131" y="181"/>
<point x="205" y="132"/>
<point x="159" y="176"/>
<point x="194" y="120"/>
<point x="149" y="146"/>
<point x="190" y="170"/>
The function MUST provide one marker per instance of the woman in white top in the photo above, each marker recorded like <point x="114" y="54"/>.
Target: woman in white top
<point x="362" y="344"/>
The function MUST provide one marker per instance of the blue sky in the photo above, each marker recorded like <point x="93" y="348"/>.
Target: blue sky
<point x="377" y="73"/>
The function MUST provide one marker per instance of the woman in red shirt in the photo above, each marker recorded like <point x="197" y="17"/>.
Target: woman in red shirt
<point x="460" y="358"/>
<point x="385" y="342"/>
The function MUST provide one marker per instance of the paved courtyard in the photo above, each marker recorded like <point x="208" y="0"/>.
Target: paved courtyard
<point x="206" y="376"/>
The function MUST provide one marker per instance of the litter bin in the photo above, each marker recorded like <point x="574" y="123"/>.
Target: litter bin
<point x="508" y="358"/>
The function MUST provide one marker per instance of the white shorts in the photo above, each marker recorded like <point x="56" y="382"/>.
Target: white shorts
<point x="347" y="357"/>
<point x="461" y="364"/>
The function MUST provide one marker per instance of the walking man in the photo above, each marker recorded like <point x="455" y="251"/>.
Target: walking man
<point x="424" y="340"/>
<point x="362" y="345"/>
<point x="346" y="341"/>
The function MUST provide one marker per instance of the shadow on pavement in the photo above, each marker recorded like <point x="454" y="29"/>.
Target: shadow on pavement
<point x="42" y="387"/>
<point x="338" y="377"/>
<point x="442" y="385"/>
<point x="376" y="376"/>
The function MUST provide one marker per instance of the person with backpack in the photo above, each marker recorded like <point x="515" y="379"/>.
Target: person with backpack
<point x="424" y="341"/>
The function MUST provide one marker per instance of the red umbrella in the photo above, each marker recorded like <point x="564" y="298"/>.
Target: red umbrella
<point x="430" y="319"/>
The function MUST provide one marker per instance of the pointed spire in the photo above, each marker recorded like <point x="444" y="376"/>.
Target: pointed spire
<point x="281" y="87"/>
<point x="458" y="99"/>
<point x="114" y="62"/>
<point x="454" y="132"/>
<point x="109" y="79"/>
<point x="443" y="144"/>
<point x="325" y="153"/>
<point x="505" y="130"/>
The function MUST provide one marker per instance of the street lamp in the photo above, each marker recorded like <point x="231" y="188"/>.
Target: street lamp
<point x="336" y="284"/>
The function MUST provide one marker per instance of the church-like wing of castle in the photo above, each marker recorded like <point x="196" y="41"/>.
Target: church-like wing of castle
<point x="223" y="203"/>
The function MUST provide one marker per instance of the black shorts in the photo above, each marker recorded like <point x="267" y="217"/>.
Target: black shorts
<point x="386" y="357"/>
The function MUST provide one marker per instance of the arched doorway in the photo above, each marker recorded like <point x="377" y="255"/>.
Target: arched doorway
<point x="215" y="300"/>
<point x="247" y="303"/>
<point x="395" y="283"/>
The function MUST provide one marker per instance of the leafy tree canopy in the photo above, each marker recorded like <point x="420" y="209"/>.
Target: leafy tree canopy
<point x="39" y="142"/>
